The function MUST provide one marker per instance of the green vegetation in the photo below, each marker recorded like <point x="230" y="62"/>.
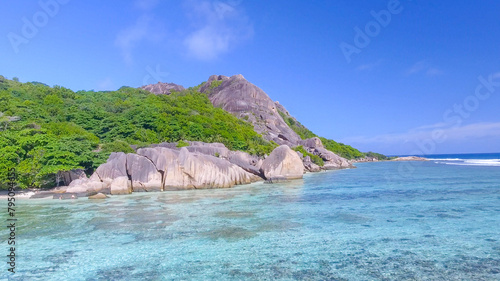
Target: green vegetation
<point x="298" y="128"/>
<point x="314" y="158"/>
<point x="182" y="143"/>
<point x="378" y="156"/>
<point x="215" y="84"/>
<point x="61" y="130"/>
<point x="341" y="149"/>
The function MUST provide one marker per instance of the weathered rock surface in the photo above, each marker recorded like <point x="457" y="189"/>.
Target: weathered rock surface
<point x="113" y="168"/>
<point x="186" y="170"/>
<point x="98" y="196"/>
<point x="283" y="162"/>
<point x="163" y="88"/>
<point x="246" y="161"/>
<point x="214" y="149"/>
<point x="410" y="158"/>
<point x="312" y="142"/>
<point x="332" y="160"/>
<point x="309" y="165"/>
<point x="365" y="159"/>
<point x="69" y="176"/>
<point x="92" y="184"/>
<point x="205" y="171"/>
<point x="143" y="174"/>
<point x="247" y="101"/>
<point x="120" y="185"/>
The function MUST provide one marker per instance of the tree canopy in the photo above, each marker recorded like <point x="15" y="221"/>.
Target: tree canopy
<point x="45" y="129"/>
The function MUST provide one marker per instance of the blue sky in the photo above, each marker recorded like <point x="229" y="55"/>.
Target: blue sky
<point x="397" y="77"/>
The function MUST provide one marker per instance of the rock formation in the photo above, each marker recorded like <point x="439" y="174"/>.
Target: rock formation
<point x="246" y="161"/>
<point x="309" y="165"/>
<point x="410" y="158"/>
<point x="163" y="88"/>
<point x="69" y="176"/>
<point x="247" y="101"/>
<point x="98" y="196"/>
<point x="332" y="160"/>
<point x="282" y="163"/>
<point x="214" y="149"/>
<point x="160" y="168"/>
<point x="250" y="103"/>
<point x="164" y="166"/>
<point x="143" y="174"/>
<point x="113" y="174"/>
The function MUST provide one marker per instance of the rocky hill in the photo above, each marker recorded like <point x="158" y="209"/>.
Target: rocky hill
<point x="163" y="88"/>
<point x="248" y="102"/>
<point x="46" y="131"/>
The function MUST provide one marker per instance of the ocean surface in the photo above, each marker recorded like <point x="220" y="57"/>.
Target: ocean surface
<point x="429" y="220"/>
<point x="473" y="159"/>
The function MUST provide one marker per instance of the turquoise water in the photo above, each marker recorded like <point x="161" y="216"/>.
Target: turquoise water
<point x="432" y="222"/>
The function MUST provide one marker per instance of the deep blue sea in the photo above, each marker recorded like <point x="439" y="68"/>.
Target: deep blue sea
<point x="472" y="159"/>
<point x="382" y="221"/>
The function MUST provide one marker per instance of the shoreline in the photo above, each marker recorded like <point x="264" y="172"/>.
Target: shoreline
<point x="24" y="194"/>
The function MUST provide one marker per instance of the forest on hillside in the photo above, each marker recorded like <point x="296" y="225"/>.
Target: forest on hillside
<point x="45" y="129"/>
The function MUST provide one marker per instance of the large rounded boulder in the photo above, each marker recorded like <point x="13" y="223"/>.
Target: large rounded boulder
<point x="282" y="163"/>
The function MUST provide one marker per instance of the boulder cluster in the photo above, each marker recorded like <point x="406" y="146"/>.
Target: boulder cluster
<point x="164" y="166"/>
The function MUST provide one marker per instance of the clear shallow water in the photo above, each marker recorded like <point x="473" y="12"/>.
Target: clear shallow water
<point x="438" y="222"/>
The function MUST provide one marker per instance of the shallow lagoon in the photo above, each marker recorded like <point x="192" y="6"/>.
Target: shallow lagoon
<point x="436" y="222"/>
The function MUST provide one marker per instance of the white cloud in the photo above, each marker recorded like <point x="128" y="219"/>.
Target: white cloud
<point x="129" y="37"/>
<point x="216" y="28"/>
<point x="468" y="132"/>
<point x="145" y="28"/>
<point x="423" y="67"/>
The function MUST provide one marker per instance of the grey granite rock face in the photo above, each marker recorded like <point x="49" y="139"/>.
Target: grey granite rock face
<point x="143" y="174"/>
<point x="114" y="167"/>
<point x="332" y="160"/>
<point x="69" y="176"/>
<point x="410" y="158"/>
<point x="121" y="185"/>
<point x="283" y="162"/>
<point x="205" y="171"/>
<point x="98" y="196"/>
<point x="247" y="101"/>
<point x="246" y="161"/>
<point x="311" y="142"/>
<point x="162" y="168"/>
<point x="309" y="165"/>
<point x="163" y="88"/>
<point x="214" y="149"/>
<point x="113" y="174"/>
